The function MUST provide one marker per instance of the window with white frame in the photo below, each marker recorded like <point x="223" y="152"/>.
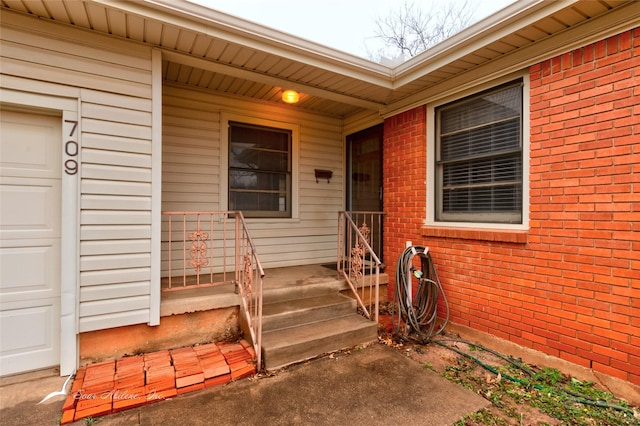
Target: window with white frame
<point x="260" y="170"/>
<point x="479" y="157"/>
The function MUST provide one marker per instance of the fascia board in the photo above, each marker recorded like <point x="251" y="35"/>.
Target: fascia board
<point x="507" y="21"/>
<point x="213" y="23"/>
<point x="588" y="32"/>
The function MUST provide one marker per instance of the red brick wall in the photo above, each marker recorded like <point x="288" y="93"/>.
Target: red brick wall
<point x="404" y="173"/>
<point x="570" y="286"/>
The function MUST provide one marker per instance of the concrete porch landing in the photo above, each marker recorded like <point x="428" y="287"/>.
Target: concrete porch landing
<point x="297" y="276"/>
<point x="222" y="296"/>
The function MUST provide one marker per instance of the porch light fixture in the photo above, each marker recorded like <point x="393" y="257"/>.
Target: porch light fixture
<point x="290" y="96"/>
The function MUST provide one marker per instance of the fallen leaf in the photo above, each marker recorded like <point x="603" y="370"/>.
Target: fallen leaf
<point x="497" y="379"/>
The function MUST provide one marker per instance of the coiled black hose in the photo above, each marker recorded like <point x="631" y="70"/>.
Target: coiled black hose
<point x="419" y="309"/>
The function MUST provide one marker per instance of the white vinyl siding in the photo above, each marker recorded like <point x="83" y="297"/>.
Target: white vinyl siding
<point x="112" y="79"/>
<point x="190" y="159"/>
<point x="192" y="167"/>
<point x="115" y="211"/>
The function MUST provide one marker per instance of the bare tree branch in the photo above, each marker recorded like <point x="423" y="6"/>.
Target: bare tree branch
<point x="411" y="30"/>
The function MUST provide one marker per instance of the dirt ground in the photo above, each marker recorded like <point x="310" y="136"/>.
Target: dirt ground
<point x="442" y="360"/>
<point x="520" y="394"/>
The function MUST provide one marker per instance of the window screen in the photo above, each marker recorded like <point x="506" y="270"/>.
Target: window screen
<point x="259" y="170"/>
<point x="479" y="158"/>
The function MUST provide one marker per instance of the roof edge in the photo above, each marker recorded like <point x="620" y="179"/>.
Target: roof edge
<point x="624" y="18"/>
<point x="508" y="20"/>
<point x="239" y="30"/>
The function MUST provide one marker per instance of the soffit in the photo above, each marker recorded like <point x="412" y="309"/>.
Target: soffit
<point x="509" y="44"/>
<point x="214" y="51"/>
<point x="514" y="29"/>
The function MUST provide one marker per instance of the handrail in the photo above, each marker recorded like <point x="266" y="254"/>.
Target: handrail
<point x="356" y="257"/>
<point x="201" y="252"/>
<point x="195" y="250"/>
<point x="252" y="272"/>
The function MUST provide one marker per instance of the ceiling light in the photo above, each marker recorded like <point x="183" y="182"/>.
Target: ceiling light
<point x="290" y="96"/>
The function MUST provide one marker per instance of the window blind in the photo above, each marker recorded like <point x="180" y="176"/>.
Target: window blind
<point x="480" y="157"/>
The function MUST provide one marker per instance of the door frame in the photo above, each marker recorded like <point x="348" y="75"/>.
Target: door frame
<point x="349" y="179"/>
<point x="67" y="107"/>
<point x="349" y="173"/>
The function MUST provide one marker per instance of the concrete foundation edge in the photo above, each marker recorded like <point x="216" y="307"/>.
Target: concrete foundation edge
<point x="621" y="388"/>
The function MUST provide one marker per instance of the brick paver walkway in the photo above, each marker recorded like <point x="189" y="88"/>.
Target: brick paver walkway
<point x="129" y="382"/>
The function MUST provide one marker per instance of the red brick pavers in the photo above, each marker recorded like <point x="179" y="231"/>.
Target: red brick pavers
<point x="239" y="359"/>
<point x="129" y="382"/>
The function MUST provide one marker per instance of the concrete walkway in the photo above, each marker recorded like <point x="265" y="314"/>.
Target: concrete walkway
<point x="374" y="386"/>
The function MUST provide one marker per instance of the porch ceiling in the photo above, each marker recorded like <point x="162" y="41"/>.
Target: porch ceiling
<point x="211" y="50"/>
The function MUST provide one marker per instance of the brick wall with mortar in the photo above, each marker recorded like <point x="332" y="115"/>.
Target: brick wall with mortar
<point x="570" y="285"/>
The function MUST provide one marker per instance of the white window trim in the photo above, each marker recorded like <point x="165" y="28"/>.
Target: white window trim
<point x="156" y="187"/>
<point x="225" y="118"/>
<point x="431" y="155"/>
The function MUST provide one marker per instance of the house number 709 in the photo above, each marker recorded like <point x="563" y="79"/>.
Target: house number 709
<point x="71" y="150"/>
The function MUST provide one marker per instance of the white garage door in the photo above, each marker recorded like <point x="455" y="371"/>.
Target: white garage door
<point x="30" y="181"/>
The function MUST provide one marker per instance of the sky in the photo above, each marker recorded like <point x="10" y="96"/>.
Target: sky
<point x="346" y="25"/>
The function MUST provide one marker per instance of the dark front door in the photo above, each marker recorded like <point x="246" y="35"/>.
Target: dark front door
<point x="364" y="179"/>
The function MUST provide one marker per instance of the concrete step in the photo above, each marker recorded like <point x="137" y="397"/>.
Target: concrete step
<point x="286" y="346"/>
<point x="288" y="313"/>
<point x="310" y="288"/>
